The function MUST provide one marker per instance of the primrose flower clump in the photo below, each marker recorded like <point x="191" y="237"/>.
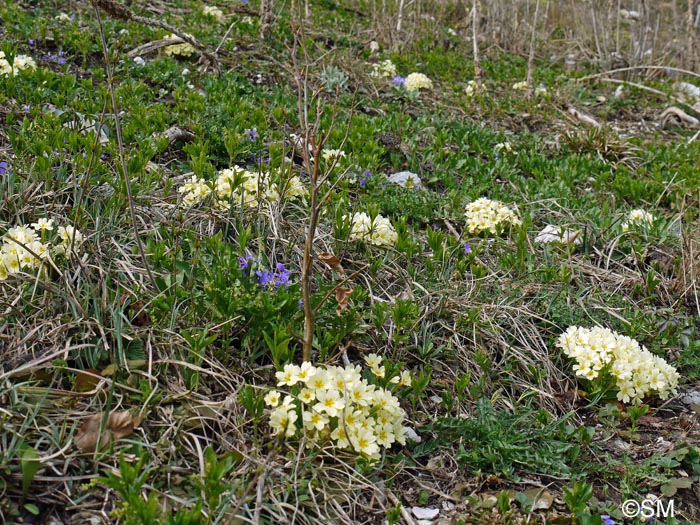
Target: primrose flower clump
<point x="184" y="49"/>
<point x="235" y="186"/>
<point x="253" y="188"/>
<point x="486" y="215"/>
<point x="384" y="69"/>
<point x="600" y="353"/>
<point x="379" y="231"/>
<point x="24" y="248"/>
<point x="331" y="402"/>
<point x="19" y="63"/>
<point x="638" y="219"/>
<point x="214" y="12"/>
<point x="417" y="81"/>
<point x="330" y="155"/>
<point x="194" y="191"/>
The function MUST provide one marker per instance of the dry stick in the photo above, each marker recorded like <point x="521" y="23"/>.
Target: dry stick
<point x="398" y="24"/>
<point x="307" y="261"/>
<point x="595" y="31"/>
<point x="691" y="35"/>
<point x="531" y="59"/>
<point x="617" y="29"/>
<point x="475" y="46"/>
<point x="631" y="68"/>
<point x="120" y="142"/>
<point x="121" y="11"/>
<point x="266" y="7"/>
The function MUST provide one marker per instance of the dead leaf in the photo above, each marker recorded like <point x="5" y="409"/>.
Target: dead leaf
<point x="541" y="499"/>
<point x="137" y="364"/>
<point x="342" y="295"/>
<point x="119" y="425"/>
<point x="332" y="261"/>
<point x="86" y="380"/>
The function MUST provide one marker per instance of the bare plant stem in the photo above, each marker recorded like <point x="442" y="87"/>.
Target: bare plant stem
<point x="266" y="7"/>
<point x="120" y="143"/>
<point x="475" y="44"/>
<point x="310" y="135"/>
<point x="691" y="36"/>
<point x="533" y="39"/>
<point x="399" y="24"/>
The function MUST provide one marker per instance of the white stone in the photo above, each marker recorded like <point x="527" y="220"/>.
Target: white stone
<point x="552" y="233"/>
<point x="425" y="513"/>
<point x="406" y="179"/>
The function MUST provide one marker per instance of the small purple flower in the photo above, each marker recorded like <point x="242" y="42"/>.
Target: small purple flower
<point x="244" y="1"/>
<point x="31" y="41"/>
<point x="436" y="226"/>
<point x="363" y="179"/>
<point x="301" y="303"/>
<point x="26" y="108"/>
<point x="399" y="80"/>
<point x="244" y="262"/>
<point x="281" y="276"/>
<point x="467" y="249"/>
<point x="3" y="167"/>
<point x="252" y="134"/>
<point x="607" y="520"/>
<point x="264" y="278"/>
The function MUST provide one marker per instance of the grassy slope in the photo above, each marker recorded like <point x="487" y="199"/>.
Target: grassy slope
<point x="194" y="351"/>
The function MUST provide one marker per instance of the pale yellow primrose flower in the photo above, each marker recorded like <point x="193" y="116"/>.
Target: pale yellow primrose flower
<point x="330" y="155"/>
<point x="43" y="225"/>
<point x="289" y="376"/>
<point x="272" y="398"/>
<point x="486" y="215"/>
<point x="638" y="218"/>
<point x="379" y="232"/>
<point x="338" y="402"/>
<point x="184" y="49"/>
<point x="417" y="81"/>
<point x="637" y="371"/>
<point x="214" y="12"/>
<point x="384" y="69"/>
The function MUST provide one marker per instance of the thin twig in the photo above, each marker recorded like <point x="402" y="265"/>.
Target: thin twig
<point x="337" y="286"/>
<point x="120" y="142"/>
<point x="633" y="68"/>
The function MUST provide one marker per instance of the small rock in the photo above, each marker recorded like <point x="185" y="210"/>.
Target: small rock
<point x="425" y="513"/>
<point x="411" y="434"/>
<point x="552" y="233"/>
<point x="406" y="179"/>
<point x="139" y="61"/>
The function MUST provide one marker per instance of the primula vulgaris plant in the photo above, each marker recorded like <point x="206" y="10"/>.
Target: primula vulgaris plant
<point x="237" y="186"/>
<point x="331" y="402"/>
<point x="638" y="219"/>
<point x="19" y="63"/>
<point x="29" y="247"/>
<point x="378" y="231"/>
<point x="486" y="215"/>
<point x="613" y="361"/>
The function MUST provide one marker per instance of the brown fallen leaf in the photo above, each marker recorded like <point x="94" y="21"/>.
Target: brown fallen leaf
<point x="332" y="261"/>
<point x="86" y="380"/>
<point x="119" y="425"/>
<point x="342" y="295"/>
